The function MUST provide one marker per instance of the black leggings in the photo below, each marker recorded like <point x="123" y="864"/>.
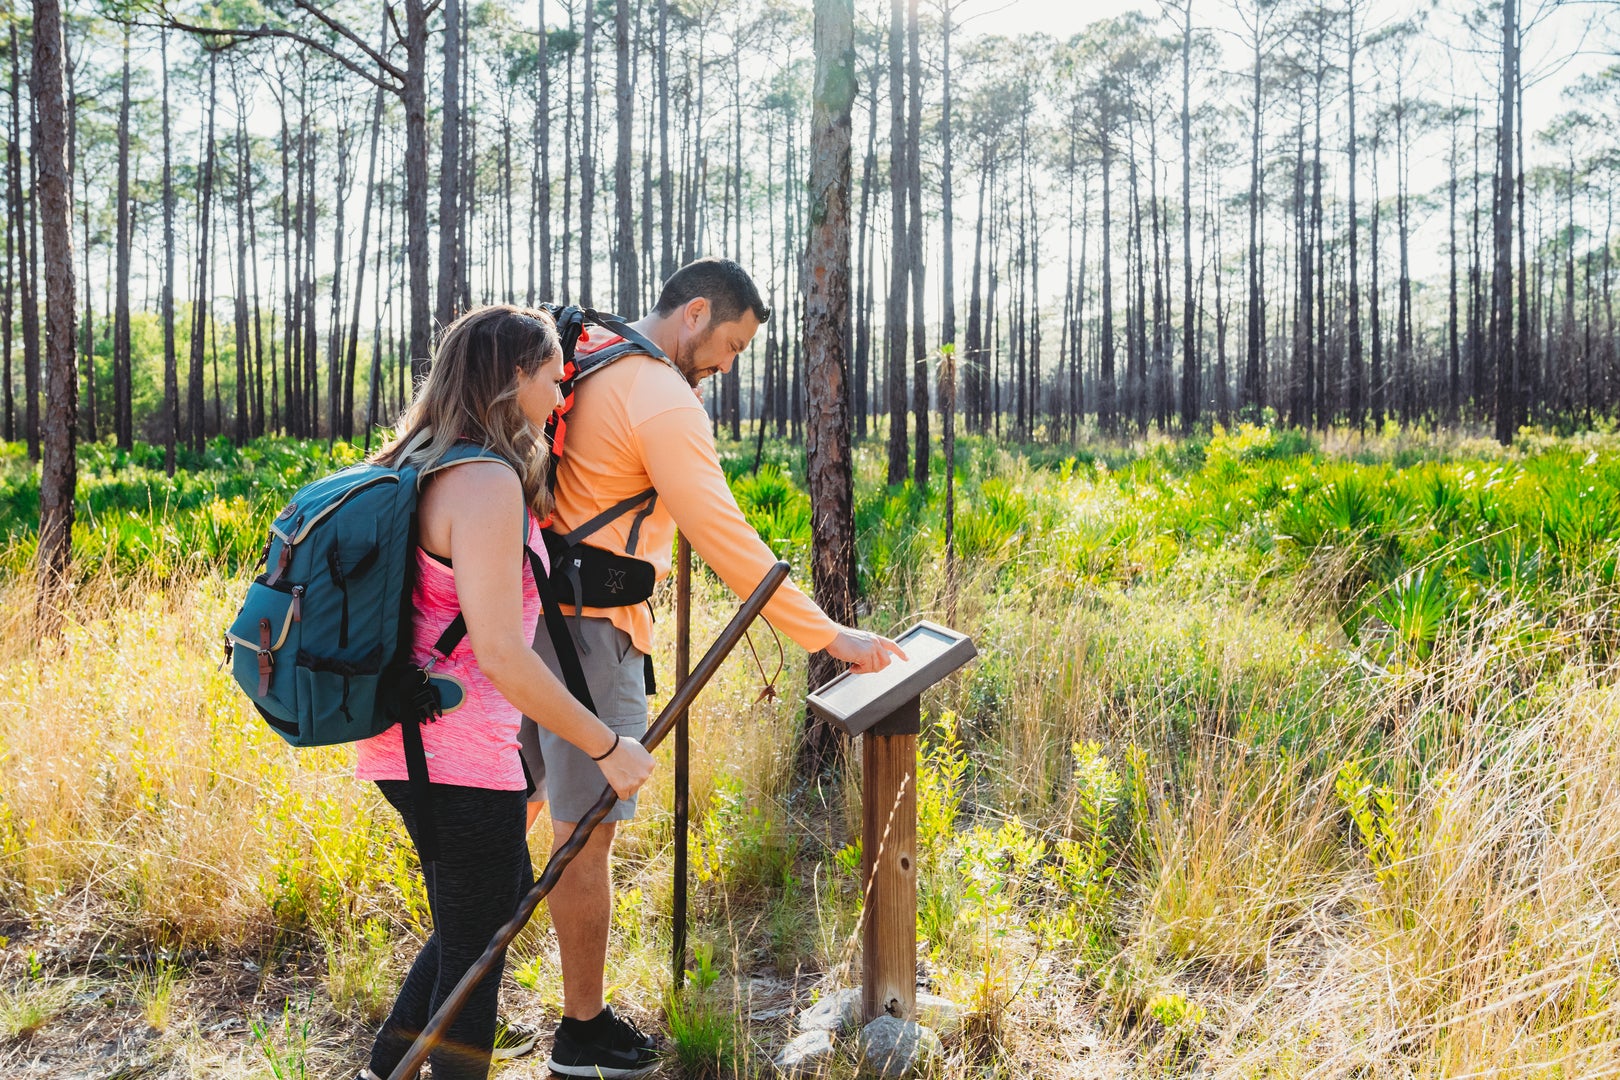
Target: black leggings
<point x="482" y="871"/>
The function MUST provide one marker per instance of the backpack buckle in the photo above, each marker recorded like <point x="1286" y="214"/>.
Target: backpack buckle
<point x="425" y="702"/>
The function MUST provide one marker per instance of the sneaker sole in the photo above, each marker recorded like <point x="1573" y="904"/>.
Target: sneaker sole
<point x="599" y="1072"/>
<point x="506" y="1053"/>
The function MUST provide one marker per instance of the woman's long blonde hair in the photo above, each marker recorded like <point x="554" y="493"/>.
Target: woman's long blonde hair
<point x="471" y="393"/>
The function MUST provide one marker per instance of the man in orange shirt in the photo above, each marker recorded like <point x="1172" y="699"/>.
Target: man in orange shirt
<point x="639" y="463"/>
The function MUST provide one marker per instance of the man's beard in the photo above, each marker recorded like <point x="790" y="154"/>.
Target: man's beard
<point x="686" y="358"/>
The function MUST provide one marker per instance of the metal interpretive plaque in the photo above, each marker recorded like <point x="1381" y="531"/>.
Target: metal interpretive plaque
<point x="854" y="703"/>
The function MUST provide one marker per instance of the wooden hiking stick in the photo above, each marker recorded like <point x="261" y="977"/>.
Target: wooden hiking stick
<point x="433" y="1033"/>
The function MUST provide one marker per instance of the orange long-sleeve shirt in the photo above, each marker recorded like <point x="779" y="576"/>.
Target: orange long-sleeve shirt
<point x="635" y="425"/>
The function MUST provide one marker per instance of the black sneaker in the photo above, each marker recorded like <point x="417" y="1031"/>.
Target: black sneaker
<point x="606" y="1047"/>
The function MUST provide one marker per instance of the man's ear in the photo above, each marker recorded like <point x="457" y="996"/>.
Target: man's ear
<point x="696" y="313"/>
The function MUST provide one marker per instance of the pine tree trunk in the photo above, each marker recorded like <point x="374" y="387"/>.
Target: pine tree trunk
<point x="1139" y="378"/>
<point x="467" y="178"/>
<point x="414" y="95"/>
<point x="1453" y="402"/>
<point x="310" y="353"/>
<point x="1373" y="303"/>
<point x="975" y="355"/>
<point x="196" y="435"/>
<point x="351" y="358"/>
<point x="1353" y="314"/>
<point x="629" y="292"/>
<point x="731" y="381"/>
<point x="374" y="384"/>
<point x="54" y="195"/>
<point x="1403" y="313"/>
<point x="826" y="299"/>
<point x="1161" y="302"/>
<point x="697" y="170"/>
<point x="1066" y="323"/>
<point x="1502" y="277"/>
<point x="587" y="155"/>
<point x="666" y="188"/>
<point x="1524" y="371"/>
<point x="1106" y="390"/>
<point x="542" y="123"/>
<point x="1033" y="300"/>
<point x="508" y="236"/>
<point x="895" y="313"/>
<point x="28" y="256"/>
<point x="947" y="261"/>
<point x="123" y="412"/>
<point x="568" y="168"/>
<point x="1077" y="395"/>
<point x="919" y="329"/>
<point x="171" y="375"/>
<point x="8" y="404"/>
<point x="292" y="218"/>
<point x="768" y="384"/>
<point x="88" y="417"/>
<point x="449" y="164"/>
<point x="647" y="276"/>
<point x="1300" y="377"/>
<point x="863" y="268"/>
<point x="258" y="328"/>
<point x="1189" y="362"/>
<point x="1254" y="398"/>
<point x="991" y="373"/>
<point x="244" y="196"/>
<point x="1477" y="349"/>
<point x="1322" y="404"/>
<point x="1223" y="402"/>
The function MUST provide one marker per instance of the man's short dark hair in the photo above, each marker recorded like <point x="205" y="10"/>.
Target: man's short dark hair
<point x="722" y="282"/>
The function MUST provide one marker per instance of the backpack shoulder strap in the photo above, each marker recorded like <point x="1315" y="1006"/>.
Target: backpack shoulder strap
<point x="634" y="343"/>
<point x="609" y="321"/>
<point x="562" y="642"/>
<point x="462" y="452"/>
<point x="613" y="513"/>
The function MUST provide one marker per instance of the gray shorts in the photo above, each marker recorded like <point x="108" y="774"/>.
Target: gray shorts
<point x="563" y="774"/>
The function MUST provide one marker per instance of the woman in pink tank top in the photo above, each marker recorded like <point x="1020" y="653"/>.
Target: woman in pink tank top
<point x="494" y="380"/>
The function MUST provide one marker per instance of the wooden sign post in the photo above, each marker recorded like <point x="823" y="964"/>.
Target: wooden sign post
<point x="889" y="863"/>
<point x="885" y="709"/>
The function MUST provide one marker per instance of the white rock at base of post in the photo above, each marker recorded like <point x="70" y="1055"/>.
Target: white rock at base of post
<point x="891" y="1047"/>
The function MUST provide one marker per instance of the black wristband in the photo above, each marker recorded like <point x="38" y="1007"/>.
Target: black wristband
<point x="609" y="751"/>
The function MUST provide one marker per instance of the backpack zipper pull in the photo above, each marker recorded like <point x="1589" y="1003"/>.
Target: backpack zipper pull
<point x="297" y="603"/>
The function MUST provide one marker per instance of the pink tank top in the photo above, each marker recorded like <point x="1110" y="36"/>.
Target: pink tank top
<point x="476" y="743"/>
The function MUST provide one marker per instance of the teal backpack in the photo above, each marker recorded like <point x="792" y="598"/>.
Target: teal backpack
<point x="322" y="643"/>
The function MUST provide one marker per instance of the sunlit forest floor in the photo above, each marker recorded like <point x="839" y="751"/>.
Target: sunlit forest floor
<point x="1284" y="757"/>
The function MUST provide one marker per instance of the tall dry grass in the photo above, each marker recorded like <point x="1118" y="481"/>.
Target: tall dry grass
<point x="1325" y="865"/>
